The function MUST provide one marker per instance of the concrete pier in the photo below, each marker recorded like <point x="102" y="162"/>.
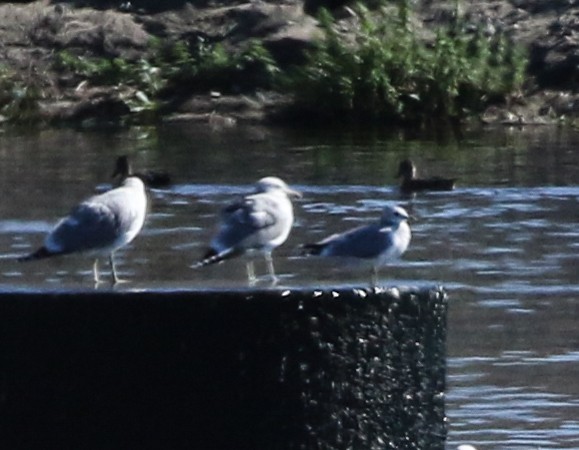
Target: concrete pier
<point x="273" y="369"/>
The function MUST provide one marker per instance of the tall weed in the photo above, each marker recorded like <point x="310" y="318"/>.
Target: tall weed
<point x="389" y="72"/>
<point x="19" y="99"/>
<point x="175" y="67"/>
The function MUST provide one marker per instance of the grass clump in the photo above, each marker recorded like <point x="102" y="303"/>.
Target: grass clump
<point x="19" y="100"/>
<point x="172" y="67"/>
<point x="142" y="77"/>
<point x="207" y="66"/>
<point x="389" y="72"/>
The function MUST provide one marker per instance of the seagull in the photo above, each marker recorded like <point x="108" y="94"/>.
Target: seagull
<point x="407" y="170"/>
<point x="374" y="244"/>
<point x="99" y="225"/>
<point x="151" y="178"/>
<point x="257" y="223"/>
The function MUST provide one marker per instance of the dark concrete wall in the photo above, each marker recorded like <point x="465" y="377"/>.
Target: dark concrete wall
<point x="222" y="370"/>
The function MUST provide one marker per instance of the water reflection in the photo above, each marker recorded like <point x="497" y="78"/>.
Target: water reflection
<point x="504" y="243"/>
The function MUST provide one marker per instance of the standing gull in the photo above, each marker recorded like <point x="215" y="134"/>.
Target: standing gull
<point x="374" y="244"/>
<point x="259" y="222"/>
<point x="99" y="225"/>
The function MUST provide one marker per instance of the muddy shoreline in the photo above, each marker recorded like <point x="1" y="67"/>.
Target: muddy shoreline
<point x="31" y="33"/>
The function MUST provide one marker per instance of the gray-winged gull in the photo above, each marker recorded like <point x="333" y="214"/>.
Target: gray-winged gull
<point x="99" y="225"/>
<point x="373" y="244"/>
<point x="259" y="222"/>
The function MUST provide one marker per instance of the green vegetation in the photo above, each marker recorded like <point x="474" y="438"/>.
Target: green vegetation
<point x="174" y="66"/>
<point x="389" y="72"/>
<point x="18" y="100"/>
<point x="382" y="70"/>
<point x="208" y="66"/>
<point x="143" y="78"/>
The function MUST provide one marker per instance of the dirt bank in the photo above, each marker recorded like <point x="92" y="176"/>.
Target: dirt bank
<point x="32" y="33"/>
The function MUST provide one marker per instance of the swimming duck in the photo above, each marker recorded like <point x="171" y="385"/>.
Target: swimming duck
<point x="152" y="179"/>
<point x="407" y="170"/>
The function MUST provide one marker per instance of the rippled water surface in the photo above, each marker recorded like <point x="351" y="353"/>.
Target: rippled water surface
<point x="504" y="244"/>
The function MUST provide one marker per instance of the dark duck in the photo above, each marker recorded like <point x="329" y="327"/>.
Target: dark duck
<point x="410" y="183"/>
<point x="151" y="178"/>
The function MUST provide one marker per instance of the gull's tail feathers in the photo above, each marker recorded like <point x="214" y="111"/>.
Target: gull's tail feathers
<point x="214" y="257"/>
<point x="312" y="249"/>
<point x="41" y="253"/>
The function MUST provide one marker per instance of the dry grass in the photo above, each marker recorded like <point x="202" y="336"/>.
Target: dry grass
<point x="53" y="27"/>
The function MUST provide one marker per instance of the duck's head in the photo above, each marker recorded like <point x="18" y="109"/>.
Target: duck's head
<point x="406" y="169"/>
<point x="122" y="168"/>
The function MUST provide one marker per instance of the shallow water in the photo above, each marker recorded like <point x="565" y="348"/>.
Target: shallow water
<point x="504" y="243"/>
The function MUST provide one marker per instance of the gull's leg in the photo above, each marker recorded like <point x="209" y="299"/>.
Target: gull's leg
<point x="113" y="270"/>
<point x="374" y="276"/>
<point x="270" y="268"/>
<point x="95" y="271"/>
<point x="250" y="272"/>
